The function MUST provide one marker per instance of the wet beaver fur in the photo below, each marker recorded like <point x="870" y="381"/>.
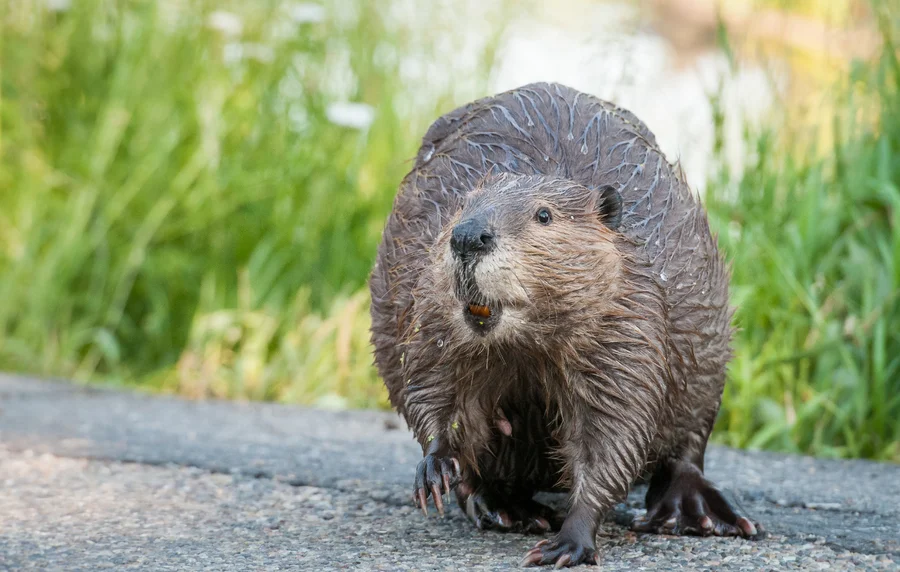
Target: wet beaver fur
<point x="550" y="312"/>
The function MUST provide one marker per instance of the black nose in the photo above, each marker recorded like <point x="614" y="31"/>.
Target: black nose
<point x="471" y="237"/>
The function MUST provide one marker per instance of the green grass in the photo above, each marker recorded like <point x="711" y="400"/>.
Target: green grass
<point x="178" y="212"/>
<point x="813" y="234"/>
<point x="166" y="202"/>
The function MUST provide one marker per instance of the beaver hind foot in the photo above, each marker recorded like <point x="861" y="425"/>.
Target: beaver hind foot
<point x="681" y="501"/>
<point x="489" y="508"/>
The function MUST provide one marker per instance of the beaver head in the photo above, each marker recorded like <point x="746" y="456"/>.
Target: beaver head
<point x="528" y="254"/>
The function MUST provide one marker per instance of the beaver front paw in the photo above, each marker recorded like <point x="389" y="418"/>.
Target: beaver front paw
<point x="435" y="476"/>
<point x="490" y="509"/>
<point x="681" y="501"/>
<point x="561" y="552"/>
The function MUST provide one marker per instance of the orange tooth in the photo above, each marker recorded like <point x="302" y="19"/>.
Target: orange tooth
<point x="480" y="311"/>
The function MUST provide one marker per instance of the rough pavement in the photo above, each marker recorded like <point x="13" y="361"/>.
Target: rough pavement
<point x="96" y="479"/>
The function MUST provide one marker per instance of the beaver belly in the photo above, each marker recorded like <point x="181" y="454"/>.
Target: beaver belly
<point x="523" y="459"/>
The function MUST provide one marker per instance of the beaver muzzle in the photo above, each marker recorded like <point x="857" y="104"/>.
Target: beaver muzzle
<point x="470" y="240"/>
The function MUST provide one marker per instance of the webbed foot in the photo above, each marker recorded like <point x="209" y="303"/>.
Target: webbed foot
<point x="681" y="501"/>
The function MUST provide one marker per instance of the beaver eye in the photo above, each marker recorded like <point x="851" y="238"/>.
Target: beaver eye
<point x="543" y="216"/>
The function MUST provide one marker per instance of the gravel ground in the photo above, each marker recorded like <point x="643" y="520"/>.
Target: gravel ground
<point x="98" y="479"/>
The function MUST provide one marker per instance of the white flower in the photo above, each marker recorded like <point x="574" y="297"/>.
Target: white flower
<point x="306" y="12"/>
<point x="349" y="114"/>
<point x="58" y="5"/>
<point x="232" y="53"/>
<point x="235" y="52"/>
<point x="226" y="22"/>
<point x="259" y="52"/>
<point x="284" y="30"/>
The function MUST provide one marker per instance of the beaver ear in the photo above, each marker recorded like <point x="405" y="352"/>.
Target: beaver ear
<point x="609" y="206"/>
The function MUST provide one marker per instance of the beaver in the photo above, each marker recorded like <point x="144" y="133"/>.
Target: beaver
<point x="550" y="313"/>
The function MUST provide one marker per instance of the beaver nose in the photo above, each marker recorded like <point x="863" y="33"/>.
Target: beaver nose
<point x="471" y="237"/>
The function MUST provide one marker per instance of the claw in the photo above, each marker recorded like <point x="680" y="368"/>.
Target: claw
<point x="560" y="553"/>
<point x="746" y="526"/>
<point x="669" y="525"/>
<point x="531" y="558"/>
<point x="540" y="523"/>
<point x="641" y="524"/>
<point x="446" y="484"/>
<point x="438" y="501"/>
<point x="423" y="501"/>
<point x="725" y="529"/>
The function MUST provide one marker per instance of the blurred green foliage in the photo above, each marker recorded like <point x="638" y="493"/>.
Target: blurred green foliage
<point x="164" y="162"/>
<point x="190" y="201"/>
<point x="813" y="235"/>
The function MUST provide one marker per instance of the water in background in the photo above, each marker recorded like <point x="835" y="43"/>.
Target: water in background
<point x="608" y="49"/>
<point x="619" y="51"/>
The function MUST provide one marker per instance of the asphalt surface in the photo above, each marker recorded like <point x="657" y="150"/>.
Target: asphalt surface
<point x="95" y="479"/>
